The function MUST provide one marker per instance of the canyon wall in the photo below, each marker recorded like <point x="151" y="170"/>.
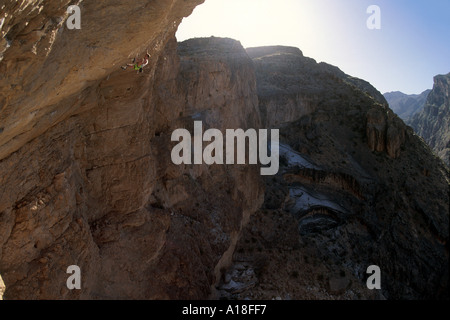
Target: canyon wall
<point x="433" y="122"/>
<point x="356" y="188"/>
<point x="86" y="176"/>
<point x="45" y="66"/>
<point x="86" y="173"/>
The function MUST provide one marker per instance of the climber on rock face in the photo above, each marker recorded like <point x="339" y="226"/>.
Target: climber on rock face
<point x="138" y="65"/>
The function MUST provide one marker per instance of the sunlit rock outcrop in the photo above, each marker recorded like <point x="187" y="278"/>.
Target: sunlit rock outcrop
<point x="86" y="173"/>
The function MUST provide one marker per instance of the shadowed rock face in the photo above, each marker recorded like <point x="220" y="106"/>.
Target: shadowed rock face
<point x="356" y="188"/>
<point x="433" y="122"/>
<point x="291" y="86"/>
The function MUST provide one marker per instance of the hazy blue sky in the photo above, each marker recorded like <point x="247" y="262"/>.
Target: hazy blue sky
<point x="412" y="46"/>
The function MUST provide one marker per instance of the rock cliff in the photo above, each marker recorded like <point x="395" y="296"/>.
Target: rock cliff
<point x="45" y="66"/>
<point x="86" y="176"/>
<point x="356" y="188"/>
<point x="433" y="122"/>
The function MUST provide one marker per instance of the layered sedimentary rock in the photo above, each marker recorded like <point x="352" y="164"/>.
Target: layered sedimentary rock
<point x="356" y="188"/>
<point x="433" y="122"/>
<point x="86" y="174"/>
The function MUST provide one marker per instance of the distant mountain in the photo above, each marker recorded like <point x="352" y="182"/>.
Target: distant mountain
<point x="406" y="105"/>
<point x="433" y="122"/>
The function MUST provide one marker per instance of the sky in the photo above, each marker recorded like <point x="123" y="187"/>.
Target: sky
<point x="410" y="48"/>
